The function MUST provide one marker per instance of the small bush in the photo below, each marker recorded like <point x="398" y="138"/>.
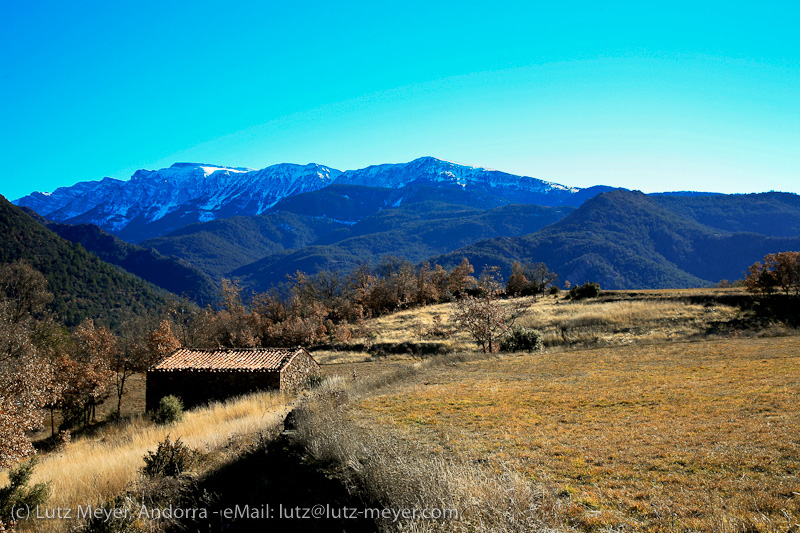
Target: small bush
<point x="522" y="339"/>
<point x="587" y="290"/>
<point x="63" y="439"/>
<point x="313" y="381"/>
<point x="18" y="494"/>
<point x="555" y="291"/>
<point x="170" y="409"/>
<point x="171" y="459"/>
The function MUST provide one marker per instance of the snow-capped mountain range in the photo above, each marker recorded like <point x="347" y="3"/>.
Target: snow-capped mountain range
<point x="154" y="202"/>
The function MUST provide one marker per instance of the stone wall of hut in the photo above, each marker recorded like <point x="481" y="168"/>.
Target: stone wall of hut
<point x="295" y="374"/>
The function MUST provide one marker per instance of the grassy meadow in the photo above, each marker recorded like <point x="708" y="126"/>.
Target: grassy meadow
<point x="686" y="436"/>
<point x="646" y="411"/>
<point x="618" y="318"/>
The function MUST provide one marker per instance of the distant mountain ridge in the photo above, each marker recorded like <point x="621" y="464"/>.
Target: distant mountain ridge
<point x="262" y="225"/>
<point x="155" y="202"/>
<point x="628" y="240"/>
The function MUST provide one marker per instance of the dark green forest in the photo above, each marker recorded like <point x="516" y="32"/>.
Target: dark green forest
<point x="82" y="285"/>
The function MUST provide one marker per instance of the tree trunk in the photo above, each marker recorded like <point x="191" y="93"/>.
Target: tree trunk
<point x="120" y="391"/>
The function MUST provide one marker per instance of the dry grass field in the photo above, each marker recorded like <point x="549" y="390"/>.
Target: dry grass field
<point x="617" y="318"/>
<point x="90" y="470"/>
<point x="698" y="436"/>
<point x="647" y="411"/>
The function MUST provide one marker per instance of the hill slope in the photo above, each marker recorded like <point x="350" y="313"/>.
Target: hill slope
<point x="625" y="240"/>
<point x="170" y="273"/>
<point x="341" y="225"/>
<point x="82" y="285"/>
<point x="406" y="232"/>
<point x="776" y="214"/>
<point x="221" y="246"/>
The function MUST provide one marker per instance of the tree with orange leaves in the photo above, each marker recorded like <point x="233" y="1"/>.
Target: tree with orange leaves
<point x="95" y="348"/>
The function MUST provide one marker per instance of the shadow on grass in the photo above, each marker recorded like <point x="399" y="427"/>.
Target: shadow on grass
<point x="274" y="488"/>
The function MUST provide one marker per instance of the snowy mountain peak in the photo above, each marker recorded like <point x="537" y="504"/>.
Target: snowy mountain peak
<point x="432" y="169"/>
<point x="154" y="202"/>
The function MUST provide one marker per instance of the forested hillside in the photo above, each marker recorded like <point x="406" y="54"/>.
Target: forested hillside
<point x="625" y="239"/>
<point x="169" y="273"/>
<point x="82" y="285"/>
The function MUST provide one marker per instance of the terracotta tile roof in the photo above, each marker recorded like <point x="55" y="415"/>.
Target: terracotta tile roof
<point x="228" y="360"/>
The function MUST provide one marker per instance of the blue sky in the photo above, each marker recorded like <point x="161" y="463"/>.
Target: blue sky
<point x="643" y="95"/>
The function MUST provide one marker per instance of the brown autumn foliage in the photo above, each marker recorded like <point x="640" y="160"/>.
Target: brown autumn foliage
<point x="27" y="345"/>
<point x="323" y="307"/>
<point x="94" y="352"/>
<point x="160" y="343"/>
<point x="530" y="279"/>
<point x="779" y="271"/>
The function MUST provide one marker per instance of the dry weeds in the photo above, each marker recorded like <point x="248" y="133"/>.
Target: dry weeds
<point x="392" y="470"/>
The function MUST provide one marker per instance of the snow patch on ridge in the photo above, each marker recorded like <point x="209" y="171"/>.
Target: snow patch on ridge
<point x="210" y="170"/>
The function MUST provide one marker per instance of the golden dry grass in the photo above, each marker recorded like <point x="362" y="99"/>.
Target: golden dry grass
<point x="677" y="437"/>
<point x="91" y="470"/>
<point x="621" y="317"/>
<point x="622" y="322"/>
<point x="334" y="357"/>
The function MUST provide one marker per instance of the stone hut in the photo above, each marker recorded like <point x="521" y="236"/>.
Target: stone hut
<point x="200" y="376"/>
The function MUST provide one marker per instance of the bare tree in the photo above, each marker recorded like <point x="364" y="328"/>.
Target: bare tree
<point x="484" y="317"/>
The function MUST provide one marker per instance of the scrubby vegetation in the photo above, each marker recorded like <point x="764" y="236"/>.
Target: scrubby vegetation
<point x="170" y="409"/>
<point x="521" y="339"/>
<point x="587" y="290"/>
<point x="19" y="494"/>
<point x="171" y="459"/>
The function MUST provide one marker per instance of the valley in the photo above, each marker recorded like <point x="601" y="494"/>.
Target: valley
<point x="527" y="355"/>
